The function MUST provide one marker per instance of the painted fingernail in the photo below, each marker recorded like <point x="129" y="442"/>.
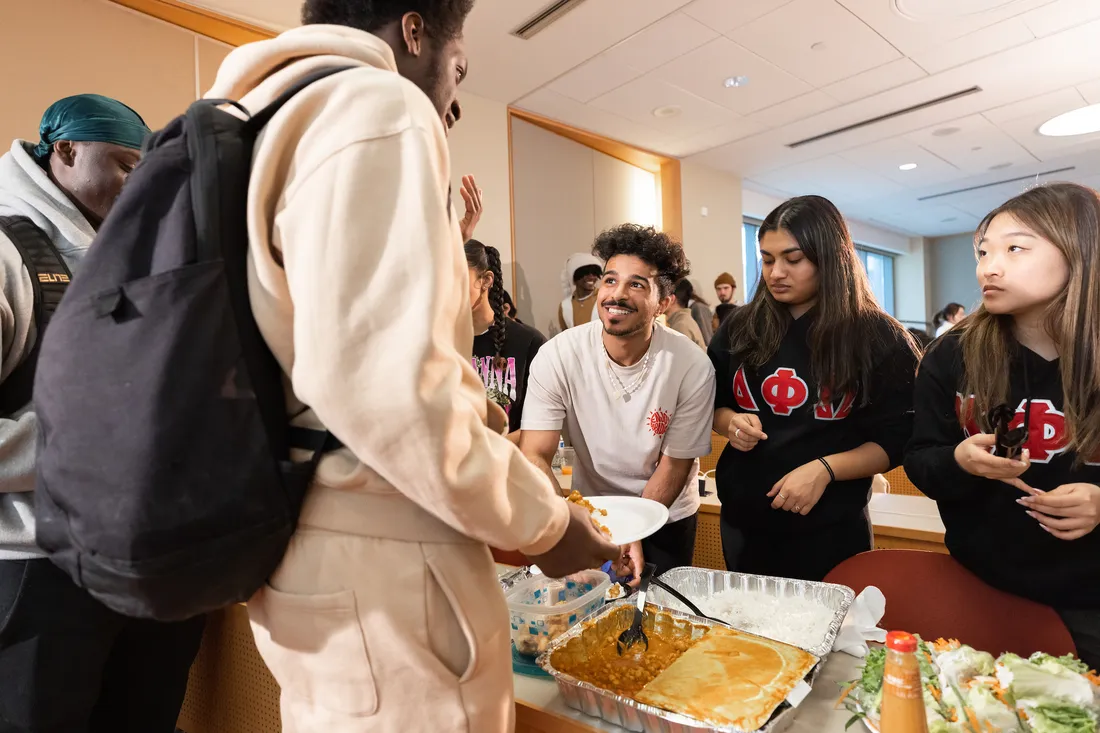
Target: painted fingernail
<point x="1046" y="528"/>
<point x="1032" y="515"/>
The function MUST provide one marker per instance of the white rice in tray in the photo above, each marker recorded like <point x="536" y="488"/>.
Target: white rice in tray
<point x="801" y="622"/>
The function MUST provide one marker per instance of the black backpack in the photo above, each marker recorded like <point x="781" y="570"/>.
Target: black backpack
<point x="165" y="486"/>
<point x="50" y="277"/>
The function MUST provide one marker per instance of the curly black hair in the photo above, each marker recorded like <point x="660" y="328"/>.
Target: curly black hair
<point x="442" y="18"/>
<point x="650" y="246"/>
<point x="484" y="258"/>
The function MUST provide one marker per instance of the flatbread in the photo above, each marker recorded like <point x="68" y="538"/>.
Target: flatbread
<point x="729" y="678"/>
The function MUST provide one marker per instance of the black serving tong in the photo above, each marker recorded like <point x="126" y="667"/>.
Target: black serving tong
<point x="636" y="633"/>
<point x="683" y="599"/>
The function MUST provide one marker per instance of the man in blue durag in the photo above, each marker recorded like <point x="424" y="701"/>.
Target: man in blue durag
<point x="67" y="663"/>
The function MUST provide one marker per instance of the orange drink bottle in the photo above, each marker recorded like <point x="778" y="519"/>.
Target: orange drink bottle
<point x="902" y="692"/>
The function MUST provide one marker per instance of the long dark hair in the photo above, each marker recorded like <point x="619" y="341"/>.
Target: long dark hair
<point x="484" y="258"/>
<point x="685" y="293"/>
<point x="847" y="333"/>
<point x="1068" y="216"/>
<point x="948" y="311"/>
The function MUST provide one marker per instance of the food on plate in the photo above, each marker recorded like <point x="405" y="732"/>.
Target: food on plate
<point x="576" y="498"/>
<point x="967" y="691"/>
<point x="796" y="620"/>
<point x="729" y="678"/>
<point x="615" y="592"/>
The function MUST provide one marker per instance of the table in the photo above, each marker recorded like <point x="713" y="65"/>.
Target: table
<point x="900" y="522"/>
<point x="540" y="708"/>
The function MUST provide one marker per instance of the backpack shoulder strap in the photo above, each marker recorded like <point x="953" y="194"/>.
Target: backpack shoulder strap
<point x="50" y="278"/>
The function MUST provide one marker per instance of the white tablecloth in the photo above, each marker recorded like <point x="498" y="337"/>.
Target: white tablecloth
<point x="816" y="714"/>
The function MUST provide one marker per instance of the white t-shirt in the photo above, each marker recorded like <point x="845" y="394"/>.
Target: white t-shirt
<point x="944" y="328"/>
<point x="619" y="441"/>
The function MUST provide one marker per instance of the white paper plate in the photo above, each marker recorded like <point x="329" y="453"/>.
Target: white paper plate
<point x="629" y="518"/>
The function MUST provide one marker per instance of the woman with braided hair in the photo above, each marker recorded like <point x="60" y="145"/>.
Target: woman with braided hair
<point x="503" y="348"/>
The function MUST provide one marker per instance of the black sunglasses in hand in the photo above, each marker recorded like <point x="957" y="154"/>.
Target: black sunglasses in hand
<point x="1010" y="441"/>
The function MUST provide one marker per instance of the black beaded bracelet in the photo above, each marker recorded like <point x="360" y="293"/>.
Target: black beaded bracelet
<point x="832" y="476"/>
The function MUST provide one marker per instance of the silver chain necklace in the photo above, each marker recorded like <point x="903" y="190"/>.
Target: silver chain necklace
<point x="625" y="391"/>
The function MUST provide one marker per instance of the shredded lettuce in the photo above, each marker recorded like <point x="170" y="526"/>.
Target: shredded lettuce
<point x="1048" y="679"/>
<point x="981" y="699"/>
<point x="1057" y="717"/>
<point x="1070" y="662"/>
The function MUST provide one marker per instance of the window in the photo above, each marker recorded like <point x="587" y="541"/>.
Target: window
<point x="880" y="271"/>
<point x="750" y="229"/>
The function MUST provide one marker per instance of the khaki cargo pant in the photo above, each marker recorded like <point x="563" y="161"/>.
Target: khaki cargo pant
<point x="369" y="635"/>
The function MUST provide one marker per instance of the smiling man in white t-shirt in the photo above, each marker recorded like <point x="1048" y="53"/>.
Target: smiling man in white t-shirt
<point x="637" y="397"/>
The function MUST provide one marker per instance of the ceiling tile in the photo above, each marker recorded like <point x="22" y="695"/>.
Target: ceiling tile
<point x="593" y="78"/>
<point x="1090" y="91"/>
<point x="1026" y="132"/>
<point x="661" y="42"/>
<point x="737" y="130"/>
<point x="1006" y="34"/>
<point x="884" y="157"/>
<point x="832" y="177"/>
<point x="704" y="71"/>
<point x="636" y="101"/>
<point x="910" y="36"/>
<point x="1060" y="16"/>
<point x="792" y="110"/>
<point x="876" y="80"/>
<point x="1050" y="104"/>
<point x="818" y="41"/>
<point x="559" y="107"/>
<point x="726" y="15"/>
<point x="975" y="146"/>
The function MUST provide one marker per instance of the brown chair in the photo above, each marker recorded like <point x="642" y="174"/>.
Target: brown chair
<point x="933" y="595"/>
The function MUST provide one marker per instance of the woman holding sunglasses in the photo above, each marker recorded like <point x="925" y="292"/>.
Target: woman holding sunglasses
<point x="1015" y="466"/>
<point x="815" y="392"/>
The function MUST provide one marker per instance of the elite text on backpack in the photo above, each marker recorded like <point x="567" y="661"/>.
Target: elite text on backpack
<point x="50" y="278"/>
<point x="165" y="485"/>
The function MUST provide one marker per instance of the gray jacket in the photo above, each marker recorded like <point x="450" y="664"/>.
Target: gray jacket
<point x="26" y="190"/>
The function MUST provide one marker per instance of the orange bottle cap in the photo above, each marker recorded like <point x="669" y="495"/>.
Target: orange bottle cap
<point x="901" y="641"/>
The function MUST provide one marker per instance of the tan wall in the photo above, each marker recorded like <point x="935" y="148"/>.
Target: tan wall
<point x="565" y="194"/>
<point x="713" y="242"/>
<point x="479" y="147"/>
<point x="56" y="48"/>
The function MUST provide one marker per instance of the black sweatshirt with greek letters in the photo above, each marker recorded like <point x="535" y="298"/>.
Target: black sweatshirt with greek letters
<point x="803" y="425"/>
<point x="987" y="531"/>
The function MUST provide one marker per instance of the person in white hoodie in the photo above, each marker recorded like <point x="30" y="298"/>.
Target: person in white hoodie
<point x="386" y="613"/>
<point x="67" y="663"/>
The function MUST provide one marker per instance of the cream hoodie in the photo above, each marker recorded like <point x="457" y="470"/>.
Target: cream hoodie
<point x="359" y="285"/>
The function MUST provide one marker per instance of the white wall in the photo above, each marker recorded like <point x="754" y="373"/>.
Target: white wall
<point x="952" y="272"/>
<point x="565" y="194"/>
<point x="479" y="147"/>
<point x="712" y="242"/>
<point x="911" y="274"/>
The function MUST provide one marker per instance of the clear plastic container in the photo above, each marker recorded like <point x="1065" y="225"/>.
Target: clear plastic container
<point x="542" y="608"/>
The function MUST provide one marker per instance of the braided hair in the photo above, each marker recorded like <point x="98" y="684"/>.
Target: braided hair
<point x="484" y="258"/>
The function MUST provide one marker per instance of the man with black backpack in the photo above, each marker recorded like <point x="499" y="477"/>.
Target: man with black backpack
<point x="385" y="613"/>
<point x="67" y="663"/>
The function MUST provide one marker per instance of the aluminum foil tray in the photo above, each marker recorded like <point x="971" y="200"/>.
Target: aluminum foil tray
<point x="699" y="584"/>
<point x="626" y="712"/>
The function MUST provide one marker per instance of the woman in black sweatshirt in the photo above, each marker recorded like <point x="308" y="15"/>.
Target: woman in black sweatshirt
<point x="1032" y="354"/>
<point x="815" y="388"/>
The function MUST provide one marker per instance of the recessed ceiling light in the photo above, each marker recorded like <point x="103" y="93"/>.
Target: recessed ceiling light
<point x="907" y="166"/>
<point x="669" y="110"/>
<point x="1000" y="166"/>
<point x="945" y="131"/>
<point x="1078" y="122"/>
<point x="736" y="81"/>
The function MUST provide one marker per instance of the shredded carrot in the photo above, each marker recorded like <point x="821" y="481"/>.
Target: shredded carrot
<point x="1093" y="677"/>
<point x="946" y="645"/>
<point x="972" y="719"/>
<point x="844" y="694"/>
<point x="935" y="693"/>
